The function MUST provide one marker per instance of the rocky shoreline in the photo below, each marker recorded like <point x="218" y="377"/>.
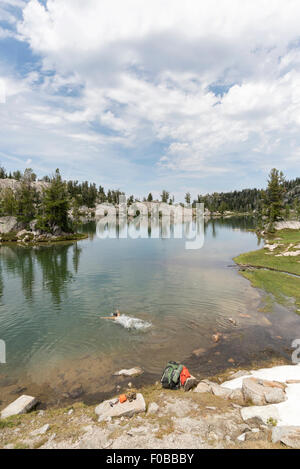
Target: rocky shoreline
<point x="241" y="409"/>
<point x="27" y="238"/>
<point x="13" y="232"/>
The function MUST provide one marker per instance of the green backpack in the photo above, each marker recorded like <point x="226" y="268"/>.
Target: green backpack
<point x="171" y="376"/>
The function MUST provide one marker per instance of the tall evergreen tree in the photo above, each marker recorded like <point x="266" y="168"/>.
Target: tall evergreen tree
<point x="130" y="200"/>
<point x="26" y="197"/>
<point x="101" y="195"/>
<point x="3" y="174"/>
<point x="188" y="198"/>
<point x="165" y="196"/>
<point x="55" y="206"/>
<point x="8" y="202"/>
<point x="274" y="195"/>
<point x="29" y="175"/>
<point x="17" y="175"/>
<point x="222" y="207"/>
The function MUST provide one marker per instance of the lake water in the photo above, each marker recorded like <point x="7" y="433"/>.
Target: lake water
<point x="53" y="299"/>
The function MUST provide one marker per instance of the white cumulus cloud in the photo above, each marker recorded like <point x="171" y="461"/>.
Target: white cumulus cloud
<point x="212" y="87"/>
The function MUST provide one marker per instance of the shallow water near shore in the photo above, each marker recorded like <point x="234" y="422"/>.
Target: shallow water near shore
<point x="54" y="298"/>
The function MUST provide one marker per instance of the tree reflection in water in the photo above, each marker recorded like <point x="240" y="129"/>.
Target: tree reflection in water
<point x="55" y="268"/>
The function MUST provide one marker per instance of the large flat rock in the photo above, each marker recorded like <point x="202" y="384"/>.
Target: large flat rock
<point x="291" y="225"/>
<point x="8" y="224"/>
<point x="127" y="409"/>
<point x="261" y="392"/>
<point x="262" y="412"/>
<point x="22" y="405"/>
<point x="289" y="436"/>
<point x="287" y="376"/>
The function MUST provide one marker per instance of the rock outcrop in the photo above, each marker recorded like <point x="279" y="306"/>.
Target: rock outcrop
<point x="265" y="413"/>
<point x="260" y="392"/>
<point x="22" y="405"/>
<point x="289" y="436"/>
<point x="207" y="386"/>
<point x="290" y="225"/>
<point x="14" y="185"/>
<point x="203" y="387"/>
<point x="9" y="224"/>
<point x="220" y="391"/>
<point x="111" y="409"/>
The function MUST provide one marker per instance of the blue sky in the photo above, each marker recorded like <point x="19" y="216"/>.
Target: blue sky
<point x="187" y="96"/>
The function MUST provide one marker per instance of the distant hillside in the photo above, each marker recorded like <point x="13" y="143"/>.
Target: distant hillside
<point x="247" y="200"/>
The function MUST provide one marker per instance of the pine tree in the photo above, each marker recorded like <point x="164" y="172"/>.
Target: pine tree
<point x="165" y="196"/>
<point x="297" y="208"/>
<point x="26" y="197"/>
<point x="274" y="195"/>
<point x="130" y="200"/>
<point x="287" y="212"/>
<point x="101" y="195"/>
<point x="76" y="211"/>
<point x="188" y="198"/>
<point x="223" y="207"/>
<point x="3" y="174"/>
<point x="55" y="206"/>
<point x="29" y="175"/>
<point x="17" y="175"/>
<point x="8" y="203"/>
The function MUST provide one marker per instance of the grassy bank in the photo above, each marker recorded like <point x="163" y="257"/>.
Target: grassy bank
<point x="268" y="268"/>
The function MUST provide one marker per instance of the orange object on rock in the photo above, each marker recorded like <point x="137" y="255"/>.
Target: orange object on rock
<point x="122" y="398"/>
<point x="184" y="375"/>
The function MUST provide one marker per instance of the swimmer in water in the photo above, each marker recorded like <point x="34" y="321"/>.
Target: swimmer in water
<point x="114" y="316"/>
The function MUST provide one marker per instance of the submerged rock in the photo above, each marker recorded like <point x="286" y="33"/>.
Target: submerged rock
<point x="217" y="337"/>
<point x="22" y="405"/>
<point x="76" y="392"/>
<point x="199" y="351"/>
<point x="137" y="371"/>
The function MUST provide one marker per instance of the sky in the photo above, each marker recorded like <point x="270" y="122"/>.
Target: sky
<point x="197" y="96"/>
